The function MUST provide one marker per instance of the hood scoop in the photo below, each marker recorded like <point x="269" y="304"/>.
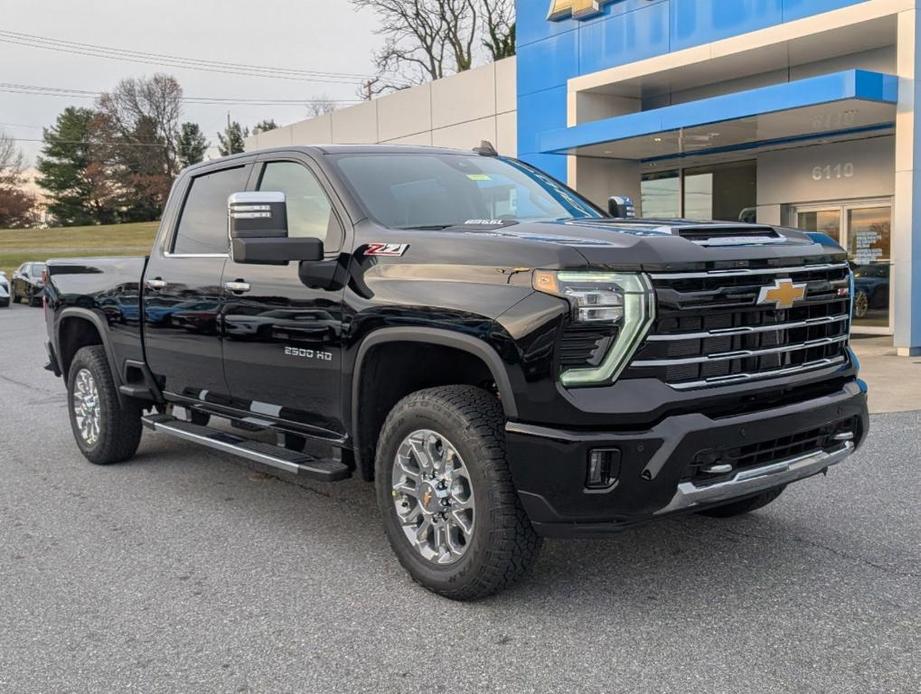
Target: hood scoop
<point x="728" y="234"/>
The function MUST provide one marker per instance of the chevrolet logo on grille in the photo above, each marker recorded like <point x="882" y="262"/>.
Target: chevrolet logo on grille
<point x="783" y="294"/>
<point x="577" y="9"/>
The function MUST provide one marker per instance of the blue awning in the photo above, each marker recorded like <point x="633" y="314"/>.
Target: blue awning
<point x="841" y="103"/>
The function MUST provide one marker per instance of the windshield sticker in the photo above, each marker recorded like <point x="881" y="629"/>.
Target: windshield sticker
<point x="479" y="177"/>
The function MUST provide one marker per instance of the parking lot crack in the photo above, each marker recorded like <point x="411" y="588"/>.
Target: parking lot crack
<point x="828" y="548"/>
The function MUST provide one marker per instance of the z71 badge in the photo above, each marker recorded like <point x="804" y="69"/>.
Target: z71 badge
<point x="393" y="249"/>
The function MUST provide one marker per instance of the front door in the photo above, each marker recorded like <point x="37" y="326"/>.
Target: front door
<point x="863" y="228"/>
<point x="282" y="340"/>
<point x="182" y="288"/>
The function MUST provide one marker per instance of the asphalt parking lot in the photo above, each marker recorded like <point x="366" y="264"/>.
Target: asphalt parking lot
<point x="185" y="570"/>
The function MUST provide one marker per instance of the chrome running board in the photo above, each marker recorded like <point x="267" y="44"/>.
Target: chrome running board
<point x="257" y="451"/>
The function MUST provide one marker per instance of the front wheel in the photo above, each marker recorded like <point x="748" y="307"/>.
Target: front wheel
<point x="106" y="431"/>
<point x="450" y="510"/>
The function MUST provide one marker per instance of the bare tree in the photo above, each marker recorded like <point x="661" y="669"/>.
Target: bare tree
<point x="17" y="206"/>
<point x="499" y="28"/>
<point x="145" y="108"/>
<point x="320" y="106"/>
<point x="429" y="39"/>
<point x="139" y="120"/>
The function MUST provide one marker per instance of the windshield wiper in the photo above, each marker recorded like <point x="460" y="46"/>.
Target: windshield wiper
<point x="428" y="227"/>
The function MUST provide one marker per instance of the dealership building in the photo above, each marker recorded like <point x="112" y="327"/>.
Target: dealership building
<point x="795" y="112"/>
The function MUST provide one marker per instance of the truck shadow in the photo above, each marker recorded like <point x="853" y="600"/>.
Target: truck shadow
<point x="699" y="563"/>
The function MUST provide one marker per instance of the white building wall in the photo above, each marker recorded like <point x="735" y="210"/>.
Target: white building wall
<point x="457" y="111"/>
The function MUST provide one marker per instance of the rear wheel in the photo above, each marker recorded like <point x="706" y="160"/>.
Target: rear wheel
<point x="105" y="430"/>
<point x="445" y="492"/>
<point x="737" y="508"/>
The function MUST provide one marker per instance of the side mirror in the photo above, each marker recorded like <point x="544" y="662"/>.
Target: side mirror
<point x="621" y="207"/>
<point x="257" y="216"/>
<point x="258" y="229"/>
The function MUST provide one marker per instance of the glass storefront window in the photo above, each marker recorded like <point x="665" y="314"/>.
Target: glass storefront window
<point x="826" y="221"/>
<point x="724" y="192"/>
<point x="868" y="247"/>
<point x="864" y="230"/>
<point x="698" y="196"/>
<point x="661" y="195"/>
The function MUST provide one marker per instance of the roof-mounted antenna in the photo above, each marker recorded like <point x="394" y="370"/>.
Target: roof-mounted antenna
<point x="486" y="149"/>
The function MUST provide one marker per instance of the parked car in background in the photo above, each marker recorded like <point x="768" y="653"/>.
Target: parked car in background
<point x="871" y="288"/>
<point x="28" y="284"/>
<point x="4" y="290"/>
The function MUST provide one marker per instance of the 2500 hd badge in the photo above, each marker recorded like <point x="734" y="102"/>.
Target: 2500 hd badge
<point x="308" y="353"/>
<point x="553" y="370"/>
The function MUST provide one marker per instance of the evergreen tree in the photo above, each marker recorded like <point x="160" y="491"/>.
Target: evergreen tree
<point x="77" y="189"/>
<point x="231" y="140"/>
<point x="192" y="144"/>
<point x="264" y="126"/>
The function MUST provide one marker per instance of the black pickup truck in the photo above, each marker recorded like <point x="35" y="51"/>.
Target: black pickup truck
<point x="505" y="360"/>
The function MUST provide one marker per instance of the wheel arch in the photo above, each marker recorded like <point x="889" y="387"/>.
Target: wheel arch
<point x="80" y="327"/>
<point x="365" y="419"/>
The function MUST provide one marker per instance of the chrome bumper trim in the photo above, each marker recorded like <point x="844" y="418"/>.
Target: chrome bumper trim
<point x="755" y="480"/>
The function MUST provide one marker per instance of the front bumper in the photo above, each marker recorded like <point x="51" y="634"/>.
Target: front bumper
<point x="549" y="465"/>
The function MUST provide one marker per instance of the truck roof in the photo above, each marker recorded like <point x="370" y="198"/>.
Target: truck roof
<point x="321" y="150"/>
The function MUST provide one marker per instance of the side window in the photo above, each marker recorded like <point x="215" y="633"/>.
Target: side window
<point x="309" y="210"/>
<point x="203" y="221"/>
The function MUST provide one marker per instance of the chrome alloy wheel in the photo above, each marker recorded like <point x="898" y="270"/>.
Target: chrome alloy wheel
<point x="86" y="407"/>
<point x="433" y="496"/>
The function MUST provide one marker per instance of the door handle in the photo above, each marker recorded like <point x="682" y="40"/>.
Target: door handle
<point x="237" y="287"/>
<point x="156" y="283"/>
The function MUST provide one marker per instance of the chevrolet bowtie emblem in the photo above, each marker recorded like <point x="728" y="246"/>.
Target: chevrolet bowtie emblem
<point x="783" y="294"/>
<point x="577" y="9"/>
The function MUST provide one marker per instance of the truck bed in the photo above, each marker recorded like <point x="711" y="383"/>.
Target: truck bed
<point x="107" y="287"/>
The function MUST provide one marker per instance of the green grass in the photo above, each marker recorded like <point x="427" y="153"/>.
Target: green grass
<point x="19" y="245"/>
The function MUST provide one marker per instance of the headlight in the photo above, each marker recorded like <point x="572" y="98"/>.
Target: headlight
<point x="624" y="300"/>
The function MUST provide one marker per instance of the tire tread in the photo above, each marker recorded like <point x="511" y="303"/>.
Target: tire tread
<point x="513" y="545"/>
<point x="121" y="425"/>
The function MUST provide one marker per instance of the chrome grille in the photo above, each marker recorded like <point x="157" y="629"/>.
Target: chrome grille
<point x="710" y="330"/>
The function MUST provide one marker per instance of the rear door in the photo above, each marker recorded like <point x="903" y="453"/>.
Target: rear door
<point x="182" y="286"/>
<point x="283" y="340"/>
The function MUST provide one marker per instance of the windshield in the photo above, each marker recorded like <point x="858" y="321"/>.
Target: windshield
<point x="420" y="191"/>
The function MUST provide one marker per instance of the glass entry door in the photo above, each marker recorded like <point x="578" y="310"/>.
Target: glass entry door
<point x="864" y="229"/>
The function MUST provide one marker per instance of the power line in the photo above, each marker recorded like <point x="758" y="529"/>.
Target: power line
<point x="89" y="144"/>
<point x="37" y="90"/>
<point x="99" y="51"/>
<point x="15" y="35"/>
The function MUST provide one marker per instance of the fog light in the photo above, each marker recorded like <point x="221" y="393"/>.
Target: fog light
<point x="603" y="468"/>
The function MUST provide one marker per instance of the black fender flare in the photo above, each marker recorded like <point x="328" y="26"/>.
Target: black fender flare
<point x="102" y="328"/>
<point x="443" y="338"/>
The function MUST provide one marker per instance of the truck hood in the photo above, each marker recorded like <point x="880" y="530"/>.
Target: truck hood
<point x="667" y="244"/>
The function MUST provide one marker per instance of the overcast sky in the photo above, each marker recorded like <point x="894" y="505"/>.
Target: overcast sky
<point x="324" y="35"/>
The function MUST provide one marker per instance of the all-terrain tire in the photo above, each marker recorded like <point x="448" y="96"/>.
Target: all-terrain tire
<point x="503" y="543"/>
<point x="119" y="426"/>
<point x="737" y="508"/>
